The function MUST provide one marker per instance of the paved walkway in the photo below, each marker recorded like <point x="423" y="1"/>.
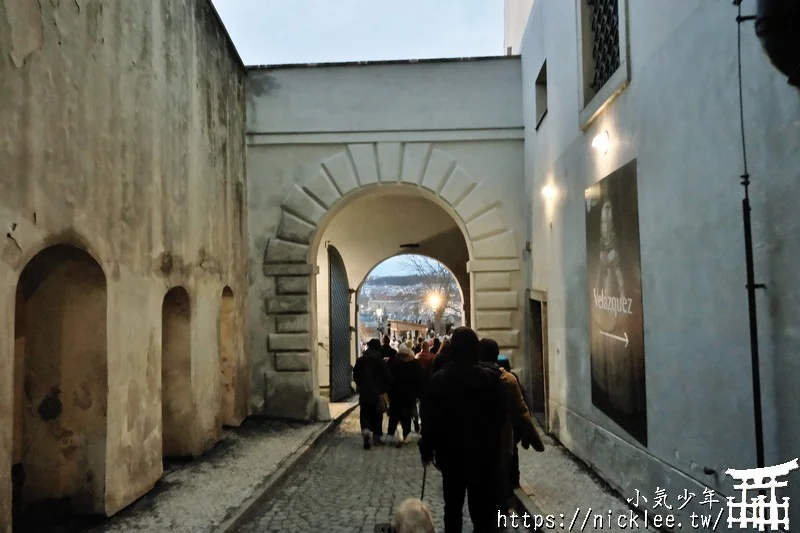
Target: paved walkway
<point x="341" y="488"/>
<point x="197" y="496"/>
<point x="559" y="484"/>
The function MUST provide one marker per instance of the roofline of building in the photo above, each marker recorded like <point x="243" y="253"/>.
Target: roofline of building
<point x="227" y="35"/>
<point x="382" y="62"/>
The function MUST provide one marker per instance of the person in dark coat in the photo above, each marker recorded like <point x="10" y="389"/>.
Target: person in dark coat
<point x="418" y="346"/>
<point x="407" y="384"/>
<point x="442" y="357"/>
<point x="463" y="414"/>
<point x="436" y="345"/>
<point x="386" y="350"/>
<point x="373" y="379"/>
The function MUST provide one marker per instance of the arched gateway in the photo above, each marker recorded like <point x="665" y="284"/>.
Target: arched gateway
<point x="289" y="257"/>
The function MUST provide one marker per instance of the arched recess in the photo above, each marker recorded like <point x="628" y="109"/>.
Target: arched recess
<point x="60" y="381"/>
<point x="228" y="350"/>
<point x="311" y="203"/>
<point x="177" y="405"/>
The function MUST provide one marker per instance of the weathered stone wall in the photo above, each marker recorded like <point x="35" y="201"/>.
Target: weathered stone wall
<point x="123" y="133"/>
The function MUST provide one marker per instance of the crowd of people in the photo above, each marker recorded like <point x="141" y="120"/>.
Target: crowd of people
<point x="467" y="406"/>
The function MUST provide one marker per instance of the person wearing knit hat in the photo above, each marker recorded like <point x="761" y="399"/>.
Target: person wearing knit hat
<point x="408" y="380"/>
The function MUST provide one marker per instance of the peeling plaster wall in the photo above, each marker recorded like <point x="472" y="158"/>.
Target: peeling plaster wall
<point x="123" y="133"/>
<point x="449" y="130"/>
<point x="679" y="118"/>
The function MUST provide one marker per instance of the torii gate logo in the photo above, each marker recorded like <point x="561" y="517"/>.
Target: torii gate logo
<point x="759" y="511"/>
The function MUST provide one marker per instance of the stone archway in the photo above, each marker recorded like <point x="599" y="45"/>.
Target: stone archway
<point x="494" y="264"/>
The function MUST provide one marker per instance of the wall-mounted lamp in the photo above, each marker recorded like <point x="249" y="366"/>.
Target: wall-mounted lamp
<point x="601" y="142"/>
<point x="549" y="192"/>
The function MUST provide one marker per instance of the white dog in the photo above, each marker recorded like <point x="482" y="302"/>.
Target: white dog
<point x="413" y="516"/>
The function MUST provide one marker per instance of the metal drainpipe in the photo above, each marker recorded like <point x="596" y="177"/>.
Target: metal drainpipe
<point x="777" y="25"/>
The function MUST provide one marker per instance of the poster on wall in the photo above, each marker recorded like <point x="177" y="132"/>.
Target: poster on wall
<point x="615" y="299"/>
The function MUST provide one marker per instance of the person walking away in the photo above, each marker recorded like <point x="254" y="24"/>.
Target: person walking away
<point x="408" y="380"/>
<point x="463" y="413"/>
<point x="437" y="343"/>
<point x="442" y="357"/>
<point x="514" y="472"/>
<point x="418" y="345"/>
<point x="425" y="357"/>
<point x="373" y="380"/>
<point x="519" y="427"/>
<point x="387" y="351"/>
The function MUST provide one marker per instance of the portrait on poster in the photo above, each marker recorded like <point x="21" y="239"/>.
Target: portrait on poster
<point x="615" y="299"/>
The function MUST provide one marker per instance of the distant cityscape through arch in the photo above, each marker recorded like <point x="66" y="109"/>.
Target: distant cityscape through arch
<point x="405" y="291"/>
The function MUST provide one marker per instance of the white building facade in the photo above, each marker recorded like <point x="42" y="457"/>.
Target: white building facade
<point x="635" y="111"/>
<point x="515" y="15"/>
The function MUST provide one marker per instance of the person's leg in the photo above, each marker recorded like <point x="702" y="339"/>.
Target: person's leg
<point x="406" y="424"/>
<point x="484" y="501"/>
<point x="415" y="415"/>
<point x="366" y="421"/>
<point x="393" y="420"/>
<point x="453" y="489"/>
<point x="377" y="427"/>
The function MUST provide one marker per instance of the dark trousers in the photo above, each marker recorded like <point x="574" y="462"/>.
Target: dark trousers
<point x="371" y="419"/>
<point x="405" y="423"/>
<point x="400" y="412"/>
<point x="482" y="499"/>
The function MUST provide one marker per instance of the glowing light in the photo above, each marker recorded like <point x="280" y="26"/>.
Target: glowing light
<point x="379" y="312"/>
<point x="549" y="192"/>
<point x="601" y="142"/>
<point x="434" y="300"/>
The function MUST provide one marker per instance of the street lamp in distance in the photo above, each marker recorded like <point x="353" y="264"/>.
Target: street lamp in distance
<point x="434" y="300"/>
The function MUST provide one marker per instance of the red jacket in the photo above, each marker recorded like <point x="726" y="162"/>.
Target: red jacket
<point x="426" y="360"/>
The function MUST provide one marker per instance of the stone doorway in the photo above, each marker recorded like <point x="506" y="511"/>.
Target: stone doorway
<point x="60" y="386"/>
<point x="539" y="361"/>
<point x="176" y="371"/>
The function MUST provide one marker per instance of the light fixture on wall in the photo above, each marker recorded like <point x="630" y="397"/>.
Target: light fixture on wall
<point x="601" y="142"/>
<point x="549" y="192"/>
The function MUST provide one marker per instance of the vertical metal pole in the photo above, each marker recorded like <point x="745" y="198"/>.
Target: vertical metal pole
<point x="748" y="249"/>
<point x="751" y="303"/>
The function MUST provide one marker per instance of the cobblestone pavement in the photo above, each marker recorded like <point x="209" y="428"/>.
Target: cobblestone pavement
<point x="341" y="488"/>
<point x="558" y="483"/>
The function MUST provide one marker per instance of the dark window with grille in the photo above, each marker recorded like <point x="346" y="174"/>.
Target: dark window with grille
<point x="604" y="16"/>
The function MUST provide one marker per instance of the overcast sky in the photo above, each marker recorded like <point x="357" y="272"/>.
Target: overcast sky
<point x="272" y="32"/>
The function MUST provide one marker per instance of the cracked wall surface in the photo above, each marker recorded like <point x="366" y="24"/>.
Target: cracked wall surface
<point x="123" y="134"/>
